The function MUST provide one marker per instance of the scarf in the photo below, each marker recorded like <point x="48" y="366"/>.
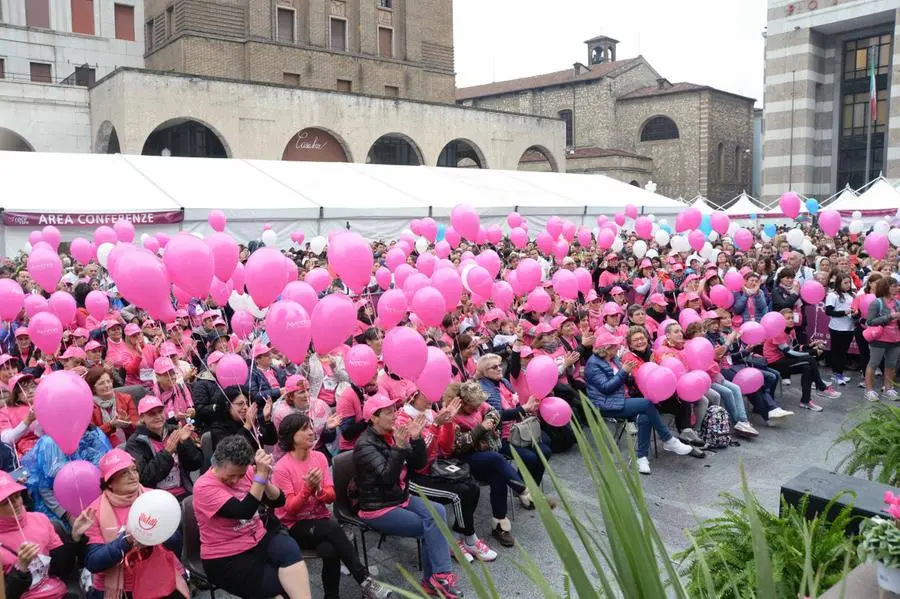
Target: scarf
<point x="107" y="407"/>
<point x="550" y="347"/>
<point x="656" y="314"/>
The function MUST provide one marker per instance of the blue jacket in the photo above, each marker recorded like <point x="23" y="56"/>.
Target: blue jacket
<point x="259" y="386"/>
<point x="741" y="300"/>
<point x="605" y="389"/>
<point x="492" y="388"/>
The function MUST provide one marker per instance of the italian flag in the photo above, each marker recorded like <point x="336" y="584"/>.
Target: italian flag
<point x="873" y="93"/>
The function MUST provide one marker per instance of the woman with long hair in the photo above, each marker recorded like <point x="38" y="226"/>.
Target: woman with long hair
<point x="838" y="305"/>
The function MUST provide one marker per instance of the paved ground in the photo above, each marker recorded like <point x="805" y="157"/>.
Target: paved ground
<point x="680" y="490"/>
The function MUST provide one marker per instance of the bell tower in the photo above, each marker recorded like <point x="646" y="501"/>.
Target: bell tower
<point x="601" y="49"/>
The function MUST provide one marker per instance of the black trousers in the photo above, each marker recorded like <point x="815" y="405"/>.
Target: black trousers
<point x="327" y="539"/>
<point x="809" y="373"/>
<point x="463" y="495"/>
<point x="840" y="344"/>
<point x="681" y="410"/>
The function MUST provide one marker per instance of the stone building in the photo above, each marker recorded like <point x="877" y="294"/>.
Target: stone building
<point x="624" y="120"/>
<point x="390" y="48"/>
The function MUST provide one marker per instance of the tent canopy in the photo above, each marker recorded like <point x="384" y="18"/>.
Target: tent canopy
<point x="743" y="206"/>
<point x="879" y="196"/>
<point x="702" y="204"/>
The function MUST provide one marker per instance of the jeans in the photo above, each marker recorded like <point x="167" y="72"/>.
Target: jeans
<point x="326" y="537"/>
<point x="491" y="467"/>
<point x="646" y="416"/>
<point x="763" y="401"/>
<point x="530" y="457"/>
<point x="733" y="400"/>
<point x="415" y="521"/>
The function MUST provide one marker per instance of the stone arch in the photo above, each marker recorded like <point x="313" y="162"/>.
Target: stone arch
<point x="634" y="183"/>
<point x="186" y="137"/>
<point x="659" y="128"/>
<point x="11" y="141"/>
<point x="107" y="140"/>
<point x="316" y="144"/>
<point x="462" y="153"/>
<point x="395" y="148"/>
<point x="538" y="158"/>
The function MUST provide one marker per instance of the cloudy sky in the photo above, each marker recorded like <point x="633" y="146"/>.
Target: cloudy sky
<point x="709" y="42"/>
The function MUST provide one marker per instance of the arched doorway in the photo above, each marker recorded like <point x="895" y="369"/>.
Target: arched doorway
<point x="461" y="153"/>
<point x="10" y="141"/>
<point x="107" y="141"/>
<point x="634" y="183"/>
<point x="186" y="138"/>
<point x="537" y="158"/>
<point x="316" y="145"/>
<point x="395" y="148"/>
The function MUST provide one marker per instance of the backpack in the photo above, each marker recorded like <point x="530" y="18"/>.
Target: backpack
<point x="715" y="430"/>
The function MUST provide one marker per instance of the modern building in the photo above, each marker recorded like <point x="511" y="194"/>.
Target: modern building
<point x="819" y="57"/>
<point x="625" y="120"/>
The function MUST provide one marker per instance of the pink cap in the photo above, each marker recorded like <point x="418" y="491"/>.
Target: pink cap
<point x="81" y="332"/>
<point x="610" y="308"/>
<point x="132" y="329"/>
<point x="645" y="263"/>
<point x="114" y="461"/>
<point x="657" y="299"/>
<point x="182" y="313"/>
<point x="677" y="266"/>
<point x="163" y="365"/>
<point x="616" y="290"/>
<point x="172" y="326"/>
<point x="602" y="338"/>
<point x="168" y="349"/>
<point x="709" y="315"/>
<point x="22" y="332"/>
<point x="689" y="278"/>
<point x="543" y="329"/>
<point x="15" y="380"/>
<point x="691" y="296"/>
<point x="296" y="382"/>
<point x="557" y="321"/>
<point x="612" y="256"/>
<point x="377" y="402"/>
<point x="73" y="352"/>
<point x="710" y="275"/>
<point x="493" y="314"/>
<point x="4" y="358"/>
<point x="110" y="323"/>
<point x="591" y="296"/>
<point x="746" y="271"/>
<point x="92" y="345"/>
<point x="526" y="352"/>
<point x="8" y="485"/>
<point x="260" y="350"/>
<point x="214" y="357"/>
<point x="220" y="321"/>
<point x="147" y="403"/>
<point x="208" y="314"/>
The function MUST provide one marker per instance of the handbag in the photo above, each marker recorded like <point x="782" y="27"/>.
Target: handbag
<point x="450" y="469"/>
<point x="874" y="333"/>
<point x="525" y="433"/>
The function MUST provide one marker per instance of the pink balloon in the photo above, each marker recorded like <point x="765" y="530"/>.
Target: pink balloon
<point x="452" y="237"/>
<point x="699" y="353"/>
<point x="12" y="298"/>
<point x="428" y="304"/>
<point x="864" y="303"/>
<point x="242" y="323"/>
<point x="298" y="237"/>
<point x="225" y="253"/>
<point x="77" y="485"/>
<point x="529" y="273"/>
<point x="693" y="385"/>
<point x="642" y="374"/>
<point x="542" y="375"/>
<point x="319" y="279"/>
<point x="104" y="234"/>
<point x="46" y="331"/>
<point x="35" y="237"/>
<point x="45" y="268"/>
<point x="830" y="221"/>
<point x="812" y="292"/>
<point x="264" y="275"/>
<point x="643" y="226"/>
<point x="566" y="284"/>
<point x="442" y="249"/>
<point x="789" y="203"/>
<point x="403" y="272"/>
<point x="514" y="219"/>
<point x="425" y="263"/>
<point x="750" y="380"/>
<point x="774" y="324"/>
<point x="291" y="270"/>
<point x="142" y="279"/>
<point x="394" y="258"/>
<point x="361" y="364"/>
<point x="34" y="304"/>
<point x="494" y="234"/>
<point x="675" y="365"/>
<point x="719" y="222"/>
<point x="752" y="333"/>
<point x="413" y="283"/>
<point x="660" y="384"/>
<point x="560" y="249"/>
<point x="465" y="220"/>
<point x="435" y="376"/>
<point x="415" y="226"/>
<point x="231" y="369"/>
<point x="383" y="277"/>
<point x="692" y="218"/>
<point x="429" y="229"/>
<point x="288" y="327"/>
<point x="392" y="307"/>
<point x="350" y="257"/>
<point x="734" y="281"/>
<point x="333" y="322"/>
<point x="216" y="220"/>
<point x="584" y="237"/>
<point x="555" y="411"/>
<point x="302" y="293"/>
<point x="631" y="211"/>
<point x="82" y="250"/>
<point x="502" y="295"/>
<point x="405" y="352"/>
<point x="161" y="237"/>
<point x="721" y="296"/>
<point x="447" y="281"/>
<point x="743" y="239"/>
<point x="876" y="245"/>
<point x="124" y="230"/>
<point x="152" y="244"/>
<point x="696" y="239"/>
<point x="63" y="403"/>
<point x="479" y="280"/>
<point x="181" y="296"/>
<point x="220" y="292"/>
<point x="539" y="300"/>
<point x="518" y="237"/>
<point x="52" y="236"/>
<point x="687" y="317"/>
<point x="544" y="242"/>
<point x="583" y="276"/>
<point x="63" y="306"/>
<point x="605" y="238"/>
<point x="490" y="261"/>
<point x="619" y="218"/>
<point x="191" y="265"/>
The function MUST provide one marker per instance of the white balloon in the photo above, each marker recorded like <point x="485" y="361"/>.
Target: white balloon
<point x="153" y="517"/>
<point x="144" y="238"/>
<point x="856" y="226"/>
<point x="254" y="309"/>
<point x="28" y="248"/>
<point x="714" y="255"/>
<point x="706" y="250"/>
<point x="713" y="236"/>
<point x="317" y="244"/>
<point x="617" y="245"/>
<point x="464" y="274"/>
<point x="732" y="228"/>
<point x="795" y="237"/>
<point x="661" y="238"/>
<point x="679" y="243"/>
<point x="857" y="215"/>
<point x="639" y="249"/>
<point x="652" y="254"/>
<point x="764" y="237"/>
<point x="270" y="238"/>
<point x="808" y="247"/>
<point x="654" y="229"/>
<point x="894" y="237"/>
<point x="421" y="245"/>
<point x="651" y="218"/>
<point x="237" y="301"/>
<point x="882" y="227"/>
<point x="103" y="253"/>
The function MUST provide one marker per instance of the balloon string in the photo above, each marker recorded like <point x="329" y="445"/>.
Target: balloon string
<point x="16" y="518"/>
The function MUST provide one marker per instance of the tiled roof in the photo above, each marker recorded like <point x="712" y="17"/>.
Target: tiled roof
<point x="673" y="88"/>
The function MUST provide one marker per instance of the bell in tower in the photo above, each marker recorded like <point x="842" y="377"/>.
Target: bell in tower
<point x="601" y="49"/>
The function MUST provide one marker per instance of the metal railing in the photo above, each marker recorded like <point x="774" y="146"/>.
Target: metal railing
<point x="81" y="78"/>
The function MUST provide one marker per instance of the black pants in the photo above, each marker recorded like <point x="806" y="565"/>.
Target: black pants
<point x="863" y="346"/>
<point x="679" y="409"/>
<point x="840" y="344"/>
<point x="254" y="572"/>
<point x="463" y="495"/>
<point x="809" y="373"/>
<point x="327" y="539"/>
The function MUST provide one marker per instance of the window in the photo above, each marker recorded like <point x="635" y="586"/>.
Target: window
<point x="857" y="55"/>
<point x="338" y="35"/>
<point x="41" y="73"/>
<point x="659" y="128"/>
<point x="170" y="21"/>
<point x="85" y="76"/>
<point x="344" y="85"/>
<point x="720" y="158"/>
<point x="856" y="112"/>
<point x="37" y="13"/>
<point x="392" y="91"/>
<point x="385" y="42"/>
<point x="148" y="35"/>
<point x="285" y="25"/>
<point x="83" y="16"/>
<point x="124" y="16"/>
<point x="566" y="116"/>
<point x="2" y="69"/>
<point x="385" y="3"/>
<point x="292" y="79"/>
<point x="738" y="163"/>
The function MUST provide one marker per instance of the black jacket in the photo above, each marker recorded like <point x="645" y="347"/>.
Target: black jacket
<point x="154" y="466"/>
<point x="378" y="467"/>
<point x="225" y="426"/>
<point x="208" y="399"/>
<point x="782" y="298"/>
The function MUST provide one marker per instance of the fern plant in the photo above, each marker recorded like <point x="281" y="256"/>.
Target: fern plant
<point x="874" y="446"/>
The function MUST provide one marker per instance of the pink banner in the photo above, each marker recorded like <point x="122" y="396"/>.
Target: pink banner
<point x="76" y="219"/>
<point x="817" y="327"/>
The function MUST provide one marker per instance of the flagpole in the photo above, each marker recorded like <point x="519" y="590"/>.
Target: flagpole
<point x="872" y="115"/>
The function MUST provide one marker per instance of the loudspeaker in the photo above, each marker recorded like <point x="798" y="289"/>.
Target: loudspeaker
<point x="866" y="497"/>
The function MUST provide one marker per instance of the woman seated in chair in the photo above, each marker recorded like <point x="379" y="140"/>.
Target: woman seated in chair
<point x="382" y="458"/>
<point x="239" y="416"/>
<point x="305" y="478"/>
<point x="121" y="565"/>
<point x="239" y="555"/>
<point x="114" y="412"/>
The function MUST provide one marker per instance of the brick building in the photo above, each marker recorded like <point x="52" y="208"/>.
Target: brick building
<point x="624" y="120"/>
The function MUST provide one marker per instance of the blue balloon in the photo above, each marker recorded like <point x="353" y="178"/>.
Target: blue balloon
<point x="812" y="206"/>
<point x="770" y="230"/>
<point x="752" y="216"/>
<point x="666" y="228"/>
<point x="705" y="225"/>
<point x="441" y="229"/>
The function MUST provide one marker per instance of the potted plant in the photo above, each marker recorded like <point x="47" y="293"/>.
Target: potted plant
<point x="881" y="544"/>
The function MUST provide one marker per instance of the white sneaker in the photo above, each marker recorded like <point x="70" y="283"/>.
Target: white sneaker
<point x="828" y="393"/>
<point x="891" y="395"/>
<point x="812" y="407"/>
<point x="746" y="429"/>
<point x="786" y="382"/>
<point x="465" y="551"/>
<point x="780" y="413"/>
<point x="871" y="396"/>
<point x="862" y="384"/>
<point x="676" y="446"/>
<point x="631" y="428"/>
<point x="643" y="465"/>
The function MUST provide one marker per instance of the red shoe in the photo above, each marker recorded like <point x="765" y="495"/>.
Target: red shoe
<point x="442" y="585"/>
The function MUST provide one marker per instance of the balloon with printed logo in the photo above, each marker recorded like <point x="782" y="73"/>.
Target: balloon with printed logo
<point x="391" y="308"/>
<point x="12" y="298"/>
<point x="405" y="352"/>
<point x="153" y="517"/>
<point x="45" y="268"/>
<point x="46" y="331"/>
<point x="288" y="327"/>
<point x="361" y="364"/>
<point x="231" y="369"/>
<point x="34" y="303"/>
<point x="63" y="404"/>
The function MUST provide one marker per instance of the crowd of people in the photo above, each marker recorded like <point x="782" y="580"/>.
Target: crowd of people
<point x="267" y="492"/>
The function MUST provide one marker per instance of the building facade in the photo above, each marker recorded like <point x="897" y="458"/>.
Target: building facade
<point x="820" y="59"/>
<point x="391" y="48"/>
<point x="624" y="120"/>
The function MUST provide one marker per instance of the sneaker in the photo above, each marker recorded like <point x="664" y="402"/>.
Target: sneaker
<point x="442" y="585"/>
<point x="862" y="384"/>
<point x="871" y="396"/>
<point x="828" y="393"/>
<point x="676" y="446"/>
<point x="643" y="465"/>
<point x="690" y="437"/>
<point x="812" y="407"/>
<point x="878" y="372"/>
<point x="465" y="552"/>
<point x="371" y="589"/>
<point x="481" y="551"/>
<point x="780" y="413"/>
<point x="504" y="537"/>
<point x="840" y="379"/>
<point x="891" y="395"/>
<point x="745" y="429"/>
<point x="786" y="382"/>
<point x="631" y="428"/>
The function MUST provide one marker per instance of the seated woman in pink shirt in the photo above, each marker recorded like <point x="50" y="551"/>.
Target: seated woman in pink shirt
<point x="304" y="476"/>
<point x="350" y="410"/>
<point x="136" y="358"/>
<point x="17" y="418"/>
<point x="175" y="396"/>
<point x="296" y="400"/>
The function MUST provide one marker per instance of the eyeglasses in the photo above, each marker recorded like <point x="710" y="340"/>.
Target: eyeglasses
<point x="494" y="367"/>
<point x="239" y="404"/>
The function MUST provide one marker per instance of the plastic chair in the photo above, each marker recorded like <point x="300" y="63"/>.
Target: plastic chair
<point x="206" y="448"/>
<point x="190" y="558"/>
<point x="137" y="392"/>
<point x="621" y="424"/>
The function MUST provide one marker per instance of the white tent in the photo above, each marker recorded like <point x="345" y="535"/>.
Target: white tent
<point x="847" y="197"/>
<point x="743" y="207"/>
<point x="880" y="197"/>
<point x="702" y="204"/>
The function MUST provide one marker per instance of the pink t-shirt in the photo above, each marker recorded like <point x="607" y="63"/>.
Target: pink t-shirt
<point x="770" y="347"/>
<point x="396" y="389"/>
<point x="288" y="477"/>
<point x="222" y="537"/>
<point x="37" y="529"/>
<point x="117" y="353"/>
<point x="348" y="404"/>
<point x="172" y="482"/>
